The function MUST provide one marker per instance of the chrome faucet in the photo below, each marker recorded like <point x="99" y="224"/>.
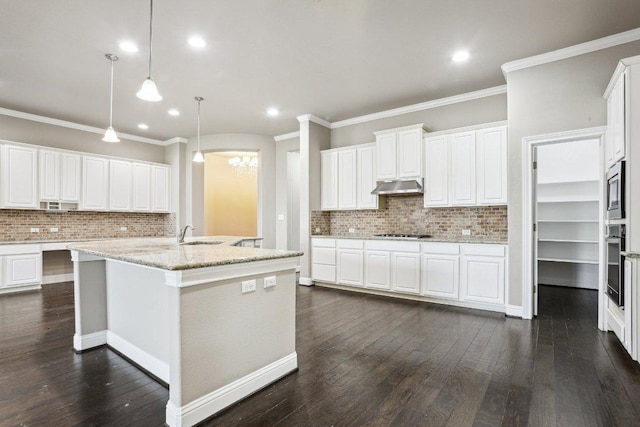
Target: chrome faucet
<point x="182" y="232"/>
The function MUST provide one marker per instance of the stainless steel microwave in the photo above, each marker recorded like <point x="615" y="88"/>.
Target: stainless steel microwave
<point x="615" y="191"/>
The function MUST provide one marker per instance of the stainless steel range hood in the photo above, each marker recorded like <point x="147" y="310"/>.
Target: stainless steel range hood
<point x="412" y="186"/>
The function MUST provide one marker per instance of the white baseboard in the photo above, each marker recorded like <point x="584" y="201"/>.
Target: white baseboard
<point x="14" y="289"/>
<point x="85" y="342"/>
<point x="513" y="310"/>
<point x="305" y="281"/>
<point x="57" y="278"/>
<point x="151" y="363"/>
<point x="209" y="404"/>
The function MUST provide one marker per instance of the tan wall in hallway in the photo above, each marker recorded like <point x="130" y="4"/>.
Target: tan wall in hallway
<point x="231" y="201"/>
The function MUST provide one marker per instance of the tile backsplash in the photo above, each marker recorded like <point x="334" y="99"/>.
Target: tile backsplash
<point x="406" y="214"/>
<point x="15" y="225"/>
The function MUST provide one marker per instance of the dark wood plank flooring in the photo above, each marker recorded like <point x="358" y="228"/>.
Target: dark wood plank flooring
<point x="364" y="361"/>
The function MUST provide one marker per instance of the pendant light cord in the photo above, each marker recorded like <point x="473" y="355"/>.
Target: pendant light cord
<point x="198" y="125"/>
<point x="111" y="97"/>
<point x="150" y="36"/>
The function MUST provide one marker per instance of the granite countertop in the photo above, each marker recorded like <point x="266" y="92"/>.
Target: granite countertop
<point x="407" y="239"/>
<point x="166" y="254"/>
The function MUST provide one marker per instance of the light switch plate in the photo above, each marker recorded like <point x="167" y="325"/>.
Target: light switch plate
<point x="248" y="286"/>
<point x="123" y="228"/>
<point x="35" y="230"/>
<point x="270" y="282"/>
<point x="352" y="230"/>
<point x="466" y="232"/>
<point x="53" y="230"/>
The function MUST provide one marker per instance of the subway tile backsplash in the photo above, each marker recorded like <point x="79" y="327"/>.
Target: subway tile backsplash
<point x="406" y="214"/>
<point x="16" y="225"/>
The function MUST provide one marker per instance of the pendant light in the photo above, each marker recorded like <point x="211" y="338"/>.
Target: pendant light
<point x="198" y="157"/>
<point x="110" y="135"/>
<point x="149" y="91"/>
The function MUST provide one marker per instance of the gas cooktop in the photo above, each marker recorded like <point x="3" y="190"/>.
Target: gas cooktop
<point x="405" y="236"/>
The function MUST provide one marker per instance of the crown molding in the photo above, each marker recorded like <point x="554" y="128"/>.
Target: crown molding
<point x="441" y="102"/>
<point x="287" y="136"/>
<point x="468" y="128"/>
<point x="72" y="125"/>
<point x="315" y="119"/>
<point x="571" y="51"/>
<point x="176" y="140"/>
<point x="403" y="128"/>
<point x="620" y="68"/>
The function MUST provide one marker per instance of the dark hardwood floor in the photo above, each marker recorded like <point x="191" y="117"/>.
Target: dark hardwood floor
<point x="364" y="361"/>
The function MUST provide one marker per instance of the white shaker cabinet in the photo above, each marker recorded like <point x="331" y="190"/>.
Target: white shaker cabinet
<point x="19" y="174"/>
<point x="119" y="185"/>
<point x="95" y="183"/>
<point x="483" y="273"/>
<point x="410" y="153"/>
<point x="323" y="260"/>
<point x="386" y="156"/>
<point x="366" y="179"/>
<point x="49" y="162"/>
<point x="347" y="177"/>
<point x="71" y="177"/>
<point x="463" y="169"/>
<point x="440" y="270"/>
<point x="436" y="186"/>
<point x="60" y="176"/>
<point x="492" y="166"/>
<point x="141" y="190"/>
<point x="160" y="188"/>
<point x="23" y="269"/>
<point x="329" y="180"/>
<point x="377" y="269"/>
<point x="350" y="267"/>
<point x="405" y="272"/>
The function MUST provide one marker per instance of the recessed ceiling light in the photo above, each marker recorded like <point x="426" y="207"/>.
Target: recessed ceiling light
<point x="197" y="41"/>
<point x="273" y="112"/>
<point x="128" y="47"/>
<point x="174" y="112"/>
<point x="460" y="56"/>
<point x="143" y="126"/>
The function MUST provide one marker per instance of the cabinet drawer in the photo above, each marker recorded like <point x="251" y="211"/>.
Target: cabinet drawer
<point x="484" y="250"/>
<point x="393" y="246"/>
<point x="323" y="273"/>
<point x="441" y="248"/>
<point x="323" y="243"/>
<point x="325" y="256"/>
<point x="21" y="249"/>
<point x="350" y="244"/>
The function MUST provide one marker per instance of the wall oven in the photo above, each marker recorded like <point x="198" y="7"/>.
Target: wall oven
<point x="615" y="191"/>
<point x="615" y="263"/>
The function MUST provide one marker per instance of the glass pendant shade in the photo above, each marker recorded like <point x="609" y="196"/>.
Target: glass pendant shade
<point x="198" y="157"/>
<point x="149" y="91"/>
<point x="110" y="135"/>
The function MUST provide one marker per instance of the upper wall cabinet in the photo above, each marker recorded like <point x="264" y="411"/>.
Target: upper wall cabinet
<point x="71" y="176"/>
<point x="49" y="175"/>
<point x="616" y="108"/>
<point x="399" y="153"/>
<point x="466" y="168"/>
<point x="95" y="183"/>
<point x="19" y="177"/>
<point x="119" y="185"/>
<point x="60" y="176"/>
<point x="348" y="177"/>
<point x="141" y="191"/>
<point x="160" y="188"/>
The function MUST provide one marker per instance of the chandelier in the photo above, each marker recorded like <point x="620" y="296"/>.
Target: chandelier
<point x="245" y="165"/>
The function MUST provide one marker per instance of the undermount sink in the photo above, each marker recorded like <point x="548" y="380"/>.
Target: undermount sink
<point x="202" y="242"/>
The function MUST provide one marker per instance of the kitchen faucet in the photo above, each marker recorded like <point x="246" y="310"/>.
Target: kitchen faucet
<point x="182" y="232"/>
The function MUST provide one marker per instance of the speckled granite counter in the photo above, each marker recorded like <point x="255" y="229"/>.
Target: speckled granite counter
<point x="430" y="239"/>
<point x="166" y="254"/>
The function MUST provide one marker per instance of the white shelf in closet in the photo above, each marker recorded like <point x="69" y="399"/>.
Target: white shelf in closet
<point x="568" y="220"/>
<point x="567" y="241"/>
<point x="570" y="199"/>
<point x="570" y="260"/>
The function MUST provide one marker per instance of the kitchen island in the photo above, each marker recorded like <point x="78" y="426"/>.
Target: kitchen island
<point x="214" y="321"/>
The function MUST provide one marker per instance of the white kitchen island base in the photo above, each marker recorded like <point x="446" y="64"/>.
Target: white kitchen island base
<point x="193" y="328"/>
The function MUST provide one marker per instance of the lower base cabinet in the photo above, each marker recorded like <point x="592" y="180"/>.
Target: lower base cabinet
<point x="20" y="265"/>
<point x="378" y="270"/>
<point x="483" y="273"/>
<point x="441" y="276"/>
<point x="405" y="268"/>
<point x="350" y="267"/>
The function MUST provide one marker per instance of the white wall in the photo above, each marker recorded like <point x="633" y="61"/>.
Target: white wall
<point x="282" y="149"/>
<point x="569" y="162"/>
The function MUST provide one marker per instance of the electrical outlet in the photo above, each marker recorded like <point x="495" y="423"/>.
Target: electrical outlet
<point x="248" y="286"/>
<point x="35" y="230"/>
<point x="352" y="230"/>
<point x="280" y="217"/>
<point x="466" y="232"/>
<point x="53" y="230"/>
<point x="317" y="229"/>
<point x="123" y="228"/>
<point x="270" y="282"/>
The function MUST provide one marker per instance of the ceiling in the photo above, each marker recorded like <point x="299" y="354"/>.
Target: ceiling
<point x="336" y="59"/>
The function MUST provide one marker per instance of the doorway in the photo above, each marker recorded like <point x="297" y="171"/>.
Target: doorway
<point x="231" y="193"/>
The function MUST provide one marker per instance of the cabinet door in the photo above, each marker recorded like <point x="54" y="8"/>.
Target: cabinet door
<point x="463" y="169"/>
<point x="378" y="270"/>
<point x="609" y="135"/>
<point x="619" y="119"/>
<point x="141" y="192"/>
<point x="386" y="156"/>
<point x="436" y="186"/>
<point x="119" y="185"/>
<point x="19" y="177"/>
<point x="329" y="180"/>
<point x="492" y="166"/>
<point x="441" y="275"/>
<point x="350" y="267"/>
<point x="483" y="279"/>
<point x="410" y="153"/>
<point x="347" y="179"/>
<point x="160" y="179"/>
<point x="95" y="183"/>
<point x="366" y="178"/>
<point x="405" y="272"/>
<point x="23" y="269"/>
<point x="71" y="177"/>
<point x="49" y="175"/>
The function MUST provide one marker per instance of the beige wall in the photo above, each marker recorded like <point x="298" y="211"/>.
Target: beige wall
<point x="478" y="111"/>
<point x="175" y="155"/>
<point x="231" y="201"/>
<point x="30" y="132"/>
<point x="282" y="148"/>
<point x="559" y="96"/>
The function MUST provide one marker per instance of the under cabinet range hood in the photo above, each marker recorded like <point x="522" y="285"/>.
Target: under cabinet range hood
<point x="411" y="186"/>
